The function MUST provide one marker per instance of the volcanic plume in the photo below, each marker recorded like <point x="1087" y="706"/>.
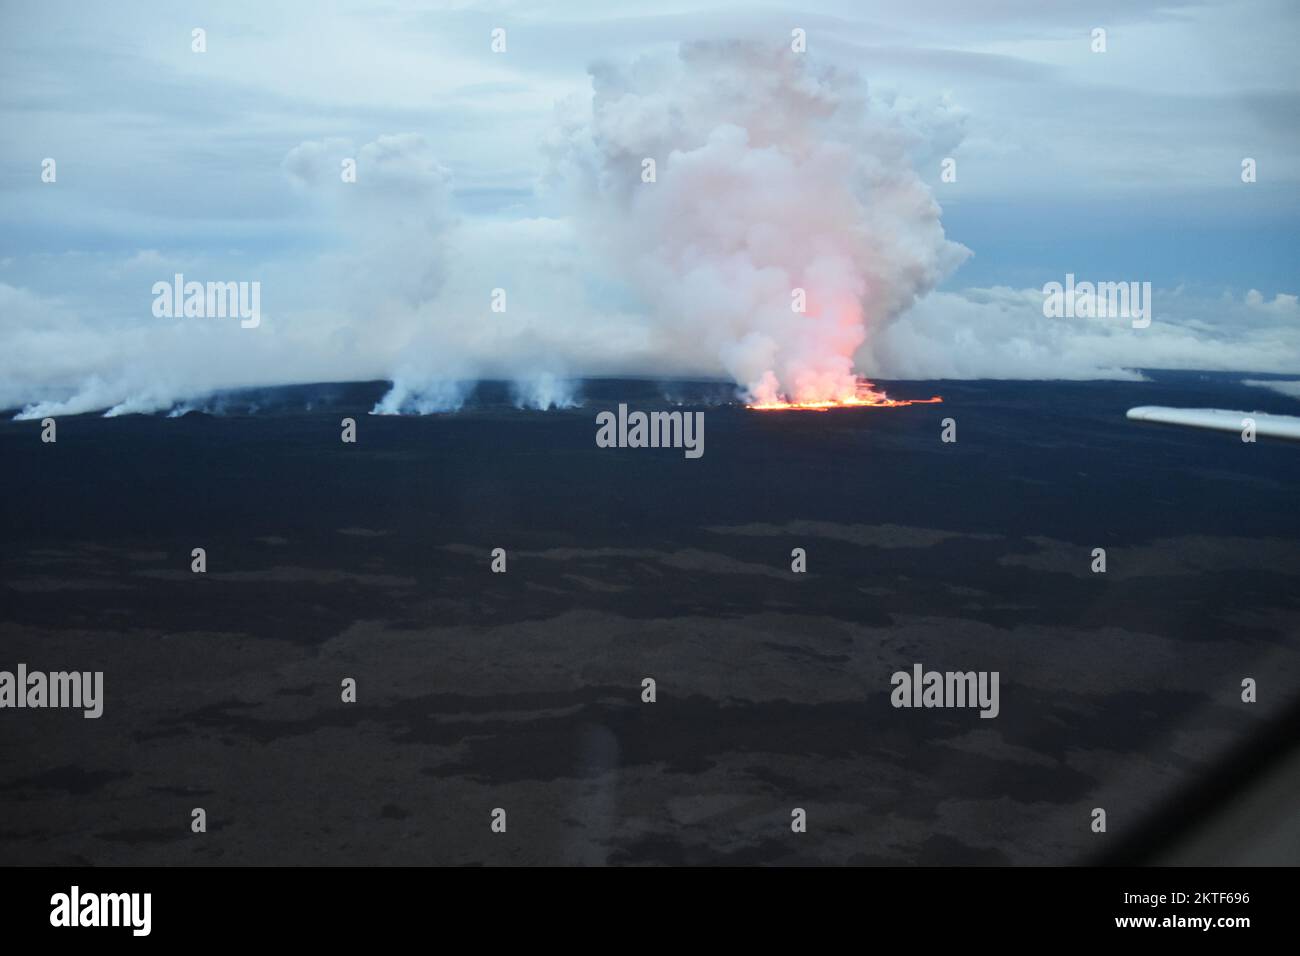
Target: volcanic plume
<point x="782" y="220"/>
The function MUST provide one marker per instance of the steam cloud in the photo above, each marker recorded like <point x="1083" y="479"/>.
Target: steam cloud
<point x="769" y="178"/>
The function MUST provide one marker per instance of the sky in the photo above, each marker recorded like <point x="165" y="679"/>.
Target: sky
<point x="520" y="170"/>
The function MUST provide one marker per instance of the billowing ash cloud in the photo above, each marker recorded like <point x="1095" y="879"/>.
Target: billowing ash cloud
<point x="770" y="177"/>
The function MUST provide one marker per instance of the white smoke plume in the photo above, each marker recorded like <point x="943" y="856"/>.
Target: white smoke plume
<point x="420" y="279"/>
<point x="423" y="396"/>
<point x="544" y="391"/>
<point x="769" y="177"/>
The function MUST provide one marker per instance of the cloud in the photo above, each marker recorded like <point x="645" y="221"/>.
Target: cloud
<point x="1002" y="333"/>
<point x="782" y="221"/>
<point x="1284" y="306"/>
<point x="1290" y="388"/>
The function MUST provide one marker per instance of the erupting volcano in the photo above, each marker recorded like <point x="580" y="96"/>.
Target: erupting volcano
<point x="776" y="224"/>
<point x="865" y="394"/>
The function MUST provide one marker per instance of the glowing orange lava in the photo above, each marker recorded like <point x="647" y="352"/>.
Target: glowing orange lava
<point x="865" y="396"/>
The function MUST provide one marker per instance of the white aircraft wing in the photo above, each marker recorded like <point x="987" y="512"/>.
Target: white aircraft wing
<point x="1219" y="419"/>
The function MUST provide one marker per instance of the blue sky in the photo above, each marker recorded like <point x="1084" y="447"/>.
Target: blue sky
<point x="1122" y="165"/>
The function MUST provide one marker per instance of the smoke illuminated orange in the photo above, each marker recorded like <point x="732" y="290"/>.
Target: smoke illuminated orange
<point x="865" y="396"/>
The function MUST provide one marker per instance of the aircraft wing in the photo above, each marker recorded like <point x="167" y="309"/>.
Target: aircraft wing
<point x="1219" y="419"/>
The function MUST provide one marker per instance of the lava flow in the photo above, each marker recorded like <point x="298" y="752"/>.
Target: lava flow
<point x="865" y="396"/>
